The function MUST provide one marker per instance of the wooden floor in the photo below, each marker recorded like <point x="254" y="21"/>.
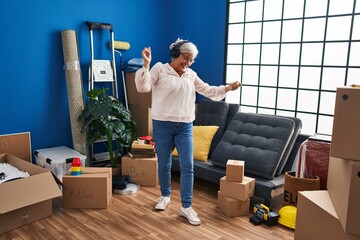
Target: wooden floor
<point x="134" y="217"/>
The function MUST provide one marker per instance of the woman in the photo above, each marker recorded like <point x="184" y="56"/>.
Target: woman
<point x="173" y="88"/>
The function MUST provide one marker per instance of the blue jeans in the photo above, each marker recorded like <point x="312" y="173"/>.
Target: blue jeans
<point x="166" y="135"/>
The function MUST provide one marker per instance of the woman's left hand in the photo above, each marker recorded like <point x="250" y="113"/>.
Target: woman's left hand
<point x="233" y="86"/>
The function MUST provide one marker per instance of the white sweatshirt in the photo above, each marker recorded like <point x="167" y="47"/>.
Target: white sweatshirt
<point x="173" y="97"/>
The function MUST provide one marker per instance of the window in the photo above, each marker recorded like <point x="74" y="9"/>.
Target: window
<point x="291" y="55"/>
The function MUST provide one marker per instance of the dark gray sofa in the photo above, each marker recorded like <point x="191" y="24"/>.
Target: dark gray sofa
<point x="267" y="144"/>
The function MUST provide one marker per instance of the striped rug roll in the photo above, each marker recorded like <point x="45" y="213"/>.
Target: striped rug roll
<point x="75" y="90"/>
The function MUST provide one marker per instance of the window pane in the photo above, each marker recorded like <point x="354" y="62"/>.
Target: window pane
<point x="285" y="113"/>
<point x="252" y="32"/>
<point x="286" y="99"/>
<point x="268" y="76"/>
<point x="267" y="97"/>
<point x="251" y="54"/>
<point x="234" y="54"/>
<point x="309" y="77"/>
<point x="355" y="54"/>
<point x="315" y="8"/>
<point x="336" y="54"/>
<point x="233" y="96"/>
<point x="308" y="101"/>
<point x="308" y="123"/>
<point x="353" y="76"/>
<point x="288" y="77"/>
<point x="271" y="31"/>
<point x="254" y="10"/>
<point x="273" y="9"/>
<point x="292" y="31"/>
<point x="266" y="111"/>
<point x="311" y="53"/>
<point x="235" y="33"/>
<point x="338" y="28"/>
<point x="249" y="95"/>
<point x="290" y="54"/>
<point x="356" y="27"/>
<point x="247" y="109"/>
<point x="340" y="6"/>
<point x="236" y="12"/>
<point x="333" y="78"/>
<point x="250" y="75"/>
<point x="357" y="8"/>
<point x="270" y="53"/>
<point x="325" y="124"/>
<point x="327" y="103"/>
<point x="314" y="29"/>
<point x="293" y="8"/>
<point x="233" y="73"/>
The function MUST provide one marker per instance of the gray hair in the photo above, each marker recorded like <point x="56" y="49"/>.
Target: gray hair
<point x="187" y="47"/>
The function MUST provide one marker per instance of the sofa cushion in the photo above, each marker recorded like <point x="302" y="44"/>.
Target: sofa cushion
<point x="212" y="113"/>
<point x="258" y="140"/>
<point x="202" y="138"/>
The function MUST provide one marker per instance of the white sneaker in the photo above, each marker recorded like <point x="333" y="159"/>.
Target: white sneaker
<point x="190" y="215"/>
<point x="163" y="203"/>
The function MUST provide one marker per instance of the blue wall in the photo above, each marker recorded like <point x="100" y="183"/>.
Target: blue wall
<point x="33" y="84"/>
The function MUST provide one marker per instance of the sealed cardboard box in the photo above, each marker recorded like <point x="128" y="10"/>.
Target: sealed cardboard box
<point x="238" y="190"/>
<point x="344" y="189"/>
<point x="142" y="170"/>
<point x="316" y="218"/>
<point x="346" y="127"/>
<point x="133" y="96"/>
<point x="57" y="159"/>
<point x="143" y="119"/>
<point x="17" y="144"/>
<point x="233" y="207"/>
<point x="27" y="199"/>
<point x="235" y="170"/>
<point x="91" y="189"/>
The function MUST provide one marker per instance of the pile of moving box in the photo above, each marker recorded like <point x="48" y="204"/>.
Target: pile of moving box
<point x="335" y="213"/>
<point x="235" y="190"/>
<point x="141" y="165"/>
<point x="139" y="106"/>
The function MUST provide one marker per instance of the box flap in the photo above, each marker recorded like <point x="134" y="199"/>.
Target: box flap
<point x="17" y="144"/>
<point x="27" y="191"/>
<point x="322" y="199"/>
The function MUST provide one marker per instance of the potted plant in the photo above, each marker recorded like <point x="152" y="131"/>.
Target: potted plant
<point x="105" y="118"/>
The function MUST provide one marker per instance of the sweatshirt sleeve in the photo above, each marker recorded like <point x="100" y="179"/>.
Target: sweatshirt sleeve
<point x="143" y="80"/>
<point x="215" y="93"/>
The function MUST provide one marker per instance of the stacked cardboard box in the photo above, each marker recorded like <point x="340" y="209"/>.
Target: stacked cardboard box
<point x="147" y="150"/>
<point x="335" y="212"/>
<point x="235" y="190"/>
<point x="139" y="106"/>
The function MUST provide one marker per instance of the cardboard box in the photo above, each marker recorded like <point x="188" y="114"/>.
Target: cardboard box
<point x="316" y="218"/>
<point x="91" y="189"/>
<point x="233" y="207"/>
<point x="28" y="199"/>
<point x="142" y="170"/>
<point x="235" y="170"/>
<point x="57" y="159"/>
<point x="344" y="189"/>
<point x="17" y="144"/>
<point x="133" y="96"/>
<point x="143" y="119"/>
<point x="143" y="149"/>
<point x="346" y="127"/>
<point x="238" y="190"/>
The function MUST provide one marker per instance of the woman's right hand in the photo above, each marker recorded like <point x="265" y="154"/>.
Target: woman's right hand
<point x="146" y="55"/>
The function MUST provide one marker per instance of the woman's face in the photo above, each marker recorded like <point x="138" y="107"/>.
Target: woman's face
<point x="181" y="63"/>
